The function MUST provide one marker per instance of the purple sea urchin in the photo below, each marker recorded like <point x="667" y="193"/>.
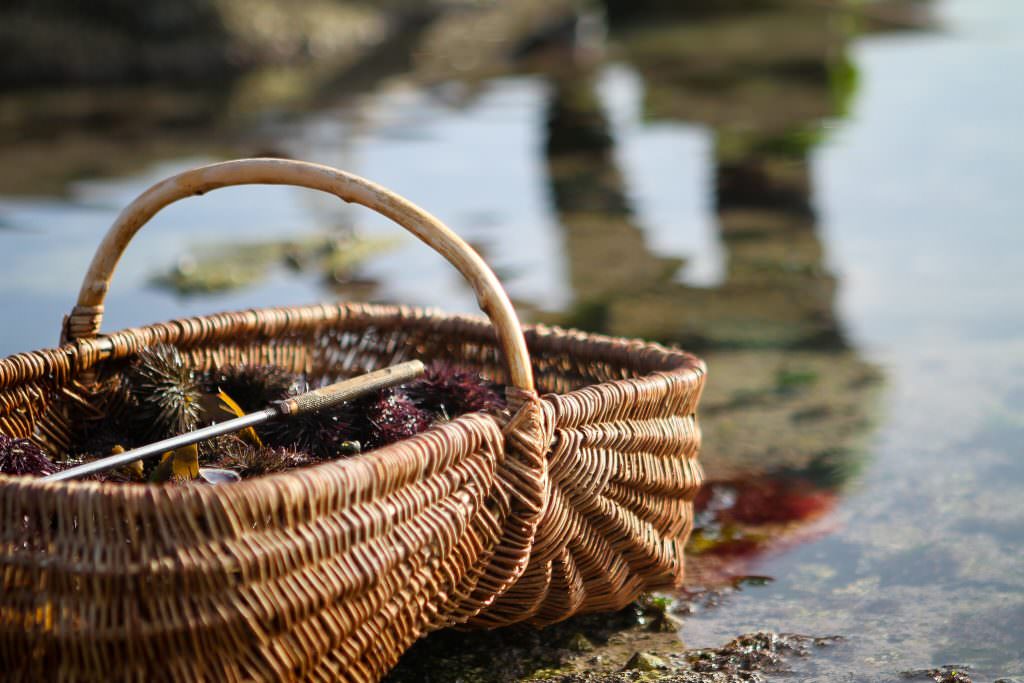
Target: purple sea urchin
<point x="322" y="434"/>
<point x="162" y="396"/>
<point x="251" y="461"/>
<point x="447" y="390"/>
<point x="388" y="417"/>
<point x="21" y="456"/>
<point x="167" y="392"/>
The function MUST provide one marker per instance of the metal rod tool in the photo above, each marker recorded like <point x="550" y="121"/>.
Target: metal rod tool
<point x="309" y="402"/>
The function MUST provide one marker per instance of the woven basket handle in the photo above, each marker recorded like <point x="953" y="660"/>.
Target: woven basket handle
<point x="84" y="321"/>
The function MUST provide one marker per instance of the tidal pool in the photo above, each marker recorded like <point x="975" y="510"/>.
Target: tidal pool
<point x="823" y="203"/>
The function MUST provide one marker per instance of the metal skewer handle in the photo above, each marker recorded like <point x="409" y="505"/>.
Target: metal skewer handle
<point x="311" y="401"/>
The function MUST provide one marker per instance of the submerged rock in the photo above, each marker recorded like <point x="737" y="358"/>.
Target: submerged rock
<point x="755" y="652"/>
<point x="600" y="648"/>
<point x="951" y="673"/>
<point x="193" y="41"/>
<point x="643" y="661"/>
<point x="579" y="643"/>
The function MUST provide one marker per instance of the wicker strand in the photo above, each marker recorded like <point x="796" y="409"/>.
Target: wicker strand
<point x="572" y="502"/>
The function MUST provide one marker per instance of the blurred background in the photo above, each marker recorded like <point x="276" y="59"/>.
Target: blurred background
<point x="821" y="197"/>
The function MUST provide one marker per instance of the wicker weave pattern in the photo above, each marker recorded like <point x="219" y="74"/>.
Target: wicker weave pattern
<point x="330" y="572"/>
<point x="573" y="501"/>
<point x="622" y="472"/>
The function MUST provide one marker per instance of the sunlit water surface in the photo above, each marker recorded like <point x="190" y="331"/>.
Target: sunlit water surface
<point x="917" y="554"/>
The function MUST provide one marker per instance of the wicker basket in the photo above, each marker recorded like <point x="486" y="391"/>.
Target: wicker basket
<point x="573" y="501"/>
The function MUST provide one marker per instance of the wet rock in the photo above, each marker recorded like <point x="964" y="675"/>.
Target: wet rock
<point x="654" y="612"/>
<point x="550" y="655"/>
<point x="950" y="673"/>
<point x="579" y="643"/>
<point x="646" y="677"/>
<point x="519" y="653"/>
<point x="665" y="623"/>
<point x="643" y="661"/>
<point x="193" y="41"/>
<point x="954" y="676"/>
<point x="761" y="651"/>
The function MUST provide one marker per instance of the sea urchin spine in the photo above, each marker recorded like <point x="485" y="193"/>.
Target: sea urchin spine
<point x="168" y="393"/>
<point x="253" y="386"/>
<point x="388" y="417"/>
<point x="447" y="390"/>
<point x="21" y="457"/>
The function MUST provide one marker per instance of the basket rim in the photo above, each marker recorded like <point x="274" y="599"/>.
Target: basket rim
<point x="146" y="498"/>
<point x="84" y="354"/>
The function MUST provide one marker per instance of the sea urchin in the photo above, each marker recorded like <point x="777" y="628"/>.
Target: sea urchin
<point x="21" y="456"/>
<point x="447" y="390"/>
<point x="253" y="386"/>
<point x="167" y="390"/>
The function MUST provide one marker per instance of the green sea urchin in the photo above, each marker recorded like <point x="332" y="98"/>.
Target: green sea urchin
<point x="167" y="391"/>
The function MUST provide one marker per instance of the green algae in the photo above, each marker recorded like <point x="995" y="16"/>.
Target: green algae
<point x="225" y="267"/>
<point x="628" y="646"/>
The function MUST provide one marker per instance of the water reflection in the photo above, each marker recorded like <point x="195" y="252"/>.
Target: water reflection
<point x="608" y="258"/>
<point x="791" y="398"/>
<point x="765" y="107"/>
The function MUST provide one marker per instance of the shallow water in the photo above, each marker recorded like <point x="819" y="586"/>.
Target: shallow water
<point x="835" y="231"/>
